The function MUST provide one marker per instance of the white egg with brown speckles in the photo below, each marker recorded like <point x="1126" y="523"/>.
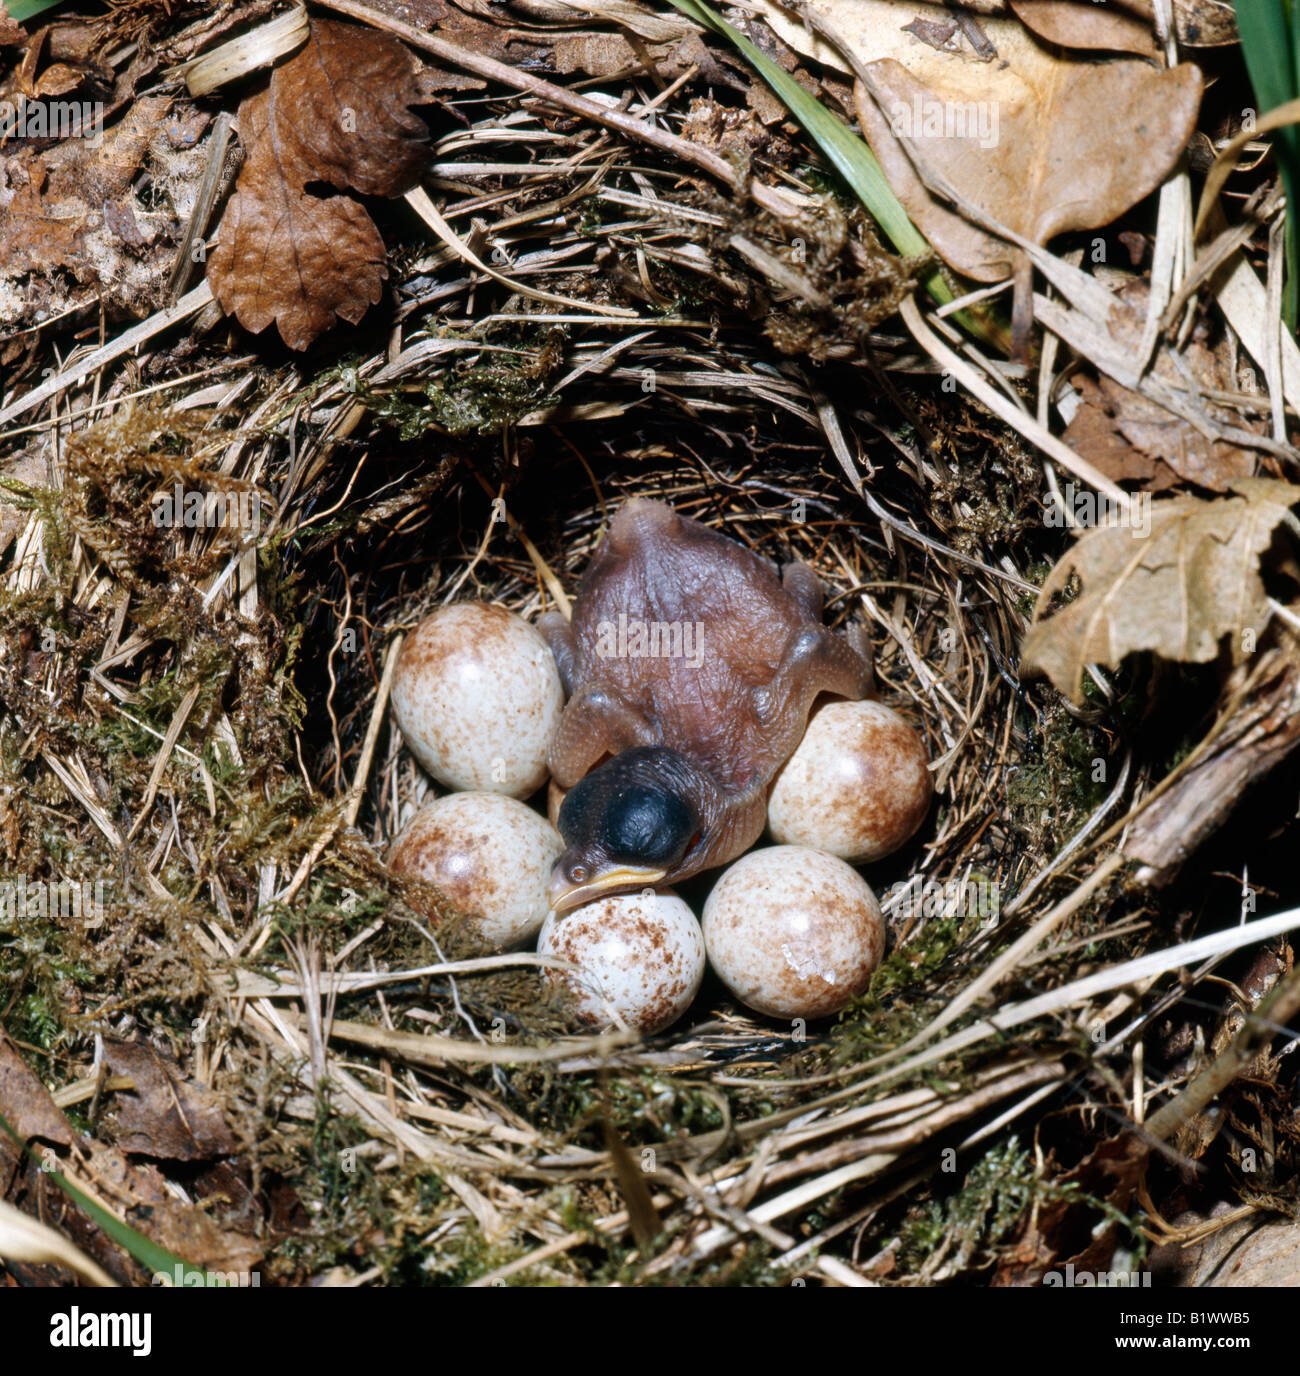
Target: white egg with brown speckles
<point x="857" y="786"/>
<point x="477" y="696"/>
<point x="793" y="932"/>
<point x="490" y="855"/>
<point x="640" y="958"/>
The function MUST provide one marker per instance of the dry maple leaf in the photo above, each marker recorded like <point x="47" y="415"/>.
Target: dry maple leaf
<point x="336" y="112"/>
<point x="1176" y="590"/>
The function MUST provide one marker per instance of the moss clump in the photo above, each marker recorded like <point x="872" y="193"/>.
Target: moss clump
<point x="479" y="398"/>
<point x="962" y="1230"/>
<point x="1064" y="773"/>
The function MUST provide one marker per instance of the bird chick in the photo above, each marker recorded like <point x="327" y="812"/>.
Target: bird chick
<point x="691" y="669"/>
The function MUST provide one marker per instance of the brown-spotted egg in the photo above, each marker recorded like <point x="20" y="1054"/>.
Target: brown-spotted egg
<point x="857" y="787"/>
<point x="640" y="958"/>
<point x="489" y="854"/>
<point x="793" y="932"/>
<point x="478" y="698"/>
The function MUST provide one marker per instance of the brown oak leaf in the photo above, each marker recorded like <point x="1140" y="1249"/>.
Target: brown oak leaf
<point x="336" y="112"/>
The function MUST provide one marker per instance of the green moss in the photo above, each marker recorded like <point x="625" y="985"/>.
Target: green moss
<point x="1064" y="773"/>
<point x="973" y="1220"/>
<point x="482" y="397"/>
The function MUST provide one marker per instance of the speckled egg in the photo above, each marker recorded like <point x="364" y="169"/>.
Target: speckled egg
<point x="792" y="932"/>
<point x="489" y="854"/>
<point x="641" y="957"/>
<point x="477" y="697"/>
<point x="857" y="787"/>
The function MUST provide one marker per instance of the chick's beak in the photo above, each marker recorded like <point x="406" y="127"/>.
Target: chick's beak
<point x="564" y="894"/>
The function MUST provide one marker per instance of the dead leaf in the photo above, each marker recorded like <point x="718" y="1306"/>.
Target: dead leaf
<point x="595" y="54"/>
<point x="1131" y="436"/>
<point x="1176" y="442"/>
<point x="202" y="1236"/>
<point x="1201" y="23"/>
<point x="25" y="1103"/>
<point x="1036" y="141"/>
<point x="1064" y="1231"/>
<point x="937" y="36"/>
<point x="182" y="1228"/>
<point x="1084" y="24"/>
<point x="1094" y="434"/>
<point x="335" y="112"/>
<point x="165" y="1115"/>
<point x="1176" y="590"/>
<point x="67" y="207"/>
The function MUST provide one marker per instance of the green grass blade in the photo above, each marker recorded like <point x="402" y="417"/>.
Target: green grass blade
<point x="20" y="10"/>
<point x="1270" y="43"/>
<point x="155" y="1259"/>
<point x="856" y="163"/>
<point x="847" y="153"/>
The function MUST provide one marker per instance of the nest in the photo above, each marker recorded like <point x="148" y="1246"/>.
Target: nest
<point x="200" y="715"/>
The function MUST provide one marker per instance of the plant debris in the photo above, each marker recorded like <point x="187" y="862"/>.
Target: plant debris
<point x="336" y="112"/>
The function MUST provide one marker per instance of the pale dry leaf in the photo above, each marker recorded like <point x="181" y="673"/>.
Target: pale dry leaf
<point x="336" y="112"/>
<point x="1085" y="24"/>
<point x="1202" y="23"/>
<point x="1198" y="23"/>
<point x="1034" y="140"/>
<point x="1127" y="25"/>
<point x="27" y="1239"/>
<point x="1176" y="589"/>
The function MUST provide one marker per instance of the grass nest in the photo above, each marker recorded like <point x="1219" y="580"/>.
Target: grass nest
<point x="196" y="719"/>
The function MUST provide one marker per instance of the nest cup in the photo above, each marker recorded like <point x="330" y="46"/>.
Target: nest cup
<point x="933" y="661"/>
